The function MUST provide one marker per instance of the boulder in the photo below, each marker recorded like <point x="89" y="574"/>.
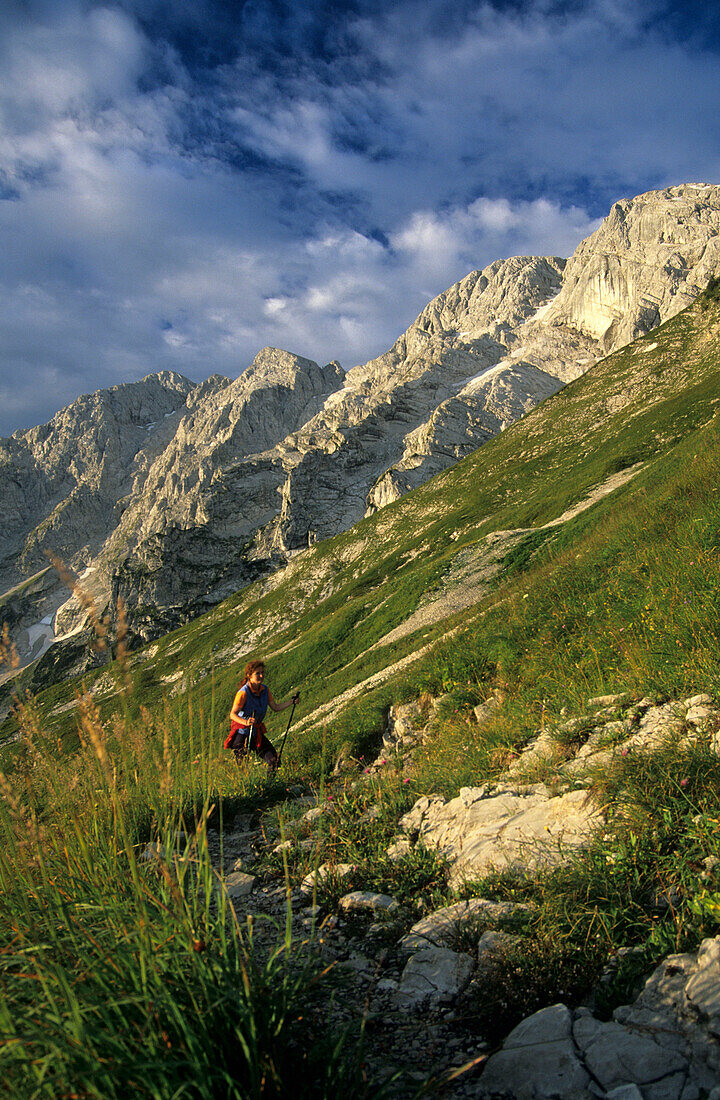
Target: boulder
<point x="664" y="1046"/>
<point x="617" y="1055"/>
<point x="440" y="928"/>
<point x="364" y="901"/>
<point x="239" y="885"/>
<point x="517" y="828"/>
<point x="538" y="1059"/>
<point x="432" y="977"/>
<point x="703" y="989"/>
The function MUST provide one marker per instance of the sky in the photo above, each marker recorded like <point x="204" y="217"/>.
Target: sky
<point x="183" y="183"/>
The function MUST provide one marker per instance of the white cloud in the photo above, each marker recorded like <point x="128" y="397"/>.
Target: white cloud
<point x="438" y="245"/>
<point x="146" y="231"/>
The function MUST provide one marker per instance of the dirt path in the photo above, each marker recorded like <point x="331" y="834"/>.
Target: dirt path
<point x="468" y="578"/>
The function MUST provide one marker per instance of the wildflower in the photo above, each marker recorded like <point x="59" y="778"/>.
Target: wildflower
<point x="684" y="782"/>
<point x="367" y="770"/>
<point x="406" y="780"/>
<point x="625" y="752"/>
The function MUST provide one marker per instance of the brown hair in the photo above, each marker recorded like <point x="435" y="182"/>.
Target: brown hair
<point x="253" y="666"/>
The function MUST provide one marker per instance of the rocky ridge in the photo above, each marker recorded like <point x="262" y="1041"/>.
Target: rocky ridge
<point x="180" y="494"/>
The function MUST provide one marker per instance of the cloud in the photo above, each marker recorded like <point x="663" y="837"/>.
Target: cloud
<point x="183" y="185"/>
<point x="437" y="244"/>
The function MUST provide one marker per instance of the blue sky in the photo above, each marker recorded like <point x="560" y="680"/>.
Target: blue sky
<point x="183" y="183"/>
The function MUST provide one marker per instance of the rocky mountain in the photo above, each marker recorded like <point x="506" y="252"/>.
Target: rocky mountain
<point x="172" y="495"/>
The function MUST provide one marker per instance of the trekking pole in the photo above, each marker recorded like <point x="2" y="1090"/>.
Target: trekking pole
<point x="296" y="697"/>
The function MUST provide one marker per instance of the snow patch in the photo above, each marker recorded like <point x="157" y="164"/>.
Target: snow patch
<point x="543" y="309"/>
<point x="470" y="385"/>
<point x="650" y="347"/>
<point x="334" y="398"/>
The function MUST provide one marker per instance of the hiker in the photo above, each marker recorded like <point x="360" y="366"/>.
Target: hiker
<point x="247" y="728"/>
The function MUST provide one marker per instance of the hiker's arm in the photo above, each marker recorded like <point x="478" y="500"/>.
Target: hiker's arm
<point x="279" y="706"/>
<point x="238" y="704"/>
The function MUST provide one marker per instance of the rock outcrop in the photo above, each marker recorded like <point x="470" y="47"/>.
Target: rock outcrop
<point x="664" y="1045"/>
<point x="173" y="495"/>
<point x="502" y="827"/>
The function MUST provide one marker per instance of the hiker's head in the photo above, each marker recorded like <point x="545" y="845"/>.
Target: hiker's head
<point x="255" y="672"/>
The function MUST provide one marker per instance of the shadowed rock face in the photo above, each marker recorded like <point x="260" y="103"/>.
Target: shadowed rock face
<point x="173" y="495"/>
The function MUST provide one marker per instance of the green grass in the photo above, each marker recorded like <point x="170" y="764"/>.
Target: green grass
<point x="625" y="597"/>
<point x="124" y="975"/>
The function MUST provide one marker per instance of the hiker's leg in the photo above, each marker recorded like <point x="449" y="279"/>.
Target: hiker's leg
<point x="270" y="756"/>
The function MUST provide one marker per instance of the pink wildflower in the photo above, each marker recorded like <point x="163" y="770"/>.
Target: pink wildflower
<point x="684" y="782"/>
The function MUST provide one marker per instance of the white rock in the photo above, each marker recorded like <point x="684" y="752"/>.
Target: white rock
<point x="399" y="849"/>
<point x="411" y="821"/>
<point x="538" y="1059"/>
<point x="619" y="1056"/>
<point x="703" y="989"/>
<point x="433" y="976"/>
<point x="239" y="885"/>
<point x="703" y="700"/>
<point x="548" y="1025"/>
<point x="365" y="900"/>
<point x="326" y="871"/>
<point x="510" y="830"/>
<point x="529" y="1073"/>
<point x="439" y="928"/>
<point x="698" y="715"/>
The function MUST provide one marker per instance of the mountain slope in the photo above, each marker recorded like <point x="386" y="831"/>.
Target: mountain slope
<point x="290" y="452"/>
<point x="343" y="612"/>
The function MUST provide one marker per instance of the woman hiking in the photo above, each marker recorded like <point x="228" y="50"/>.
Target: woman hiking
<point x="247" y="728"/>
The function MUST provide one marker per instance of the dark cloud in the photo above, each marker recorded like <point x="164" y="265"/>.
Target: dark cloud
<point x="182" y="184"/>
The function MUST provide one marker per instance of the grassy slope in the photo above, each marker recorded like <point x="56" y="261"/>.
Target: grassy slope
<point x="653" y="402"/>
<point x="117" y="977"/>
